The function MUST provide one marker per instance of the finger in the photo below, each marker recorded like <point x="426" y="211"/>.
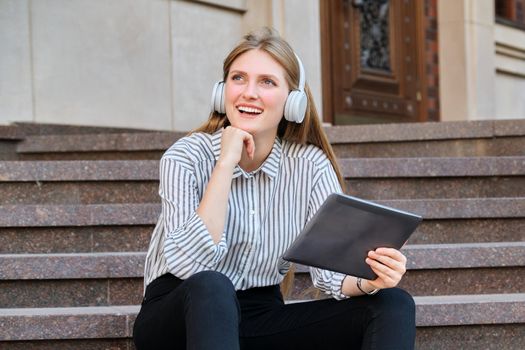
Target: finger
<point x="385" y="273"/>
<point x="375" y="265"/>
<point x="249" y="144"/>
<point x="393" y="253"/>
<point x="388" y="261"/>
<point x="383" y="280"/>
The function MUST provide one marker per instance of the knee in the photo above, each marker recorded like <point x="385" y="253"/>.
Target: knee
<point x="210" y="284"/>
<point x="396" y="301"/>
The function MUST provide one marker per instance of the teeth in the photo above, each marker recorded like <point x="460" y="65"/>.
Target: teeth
<point x="249" y="109"/>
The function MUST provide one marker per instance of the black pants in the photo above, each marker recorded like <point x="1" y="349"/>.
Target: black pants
<point x="205" y="312"/>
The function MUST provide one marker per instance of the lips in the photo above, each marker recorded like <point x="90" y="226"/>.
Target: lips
<point x="249" y="110"/>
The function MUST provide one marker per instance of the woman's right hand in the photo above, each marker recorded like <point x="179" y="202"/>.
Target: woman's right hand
<point x="233" y="142"/>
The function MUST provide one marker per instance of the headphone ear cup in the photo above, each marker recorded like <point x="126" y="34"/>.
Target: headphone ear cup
<point x="295" y="107"/>
<point x="217" y="98"/>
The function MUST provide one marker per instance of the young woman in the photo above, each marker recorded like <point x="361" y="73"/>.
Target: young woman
<point x="235" y="193"/>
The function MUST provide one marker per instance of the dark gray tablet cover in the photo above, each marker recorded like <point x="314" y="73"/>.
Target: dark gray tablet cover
<point x="343" y="231"/>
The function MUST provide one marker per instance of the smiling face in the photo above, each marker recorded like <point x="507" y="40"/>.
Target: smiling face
<point x="255" y="93"/>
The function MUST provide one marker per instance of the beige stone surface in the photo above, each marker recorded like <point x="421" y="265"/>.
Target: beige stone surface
<point x="239" y="5"/>
<point x="510" y="50"/>
<point x="201" y="37"/>
<point x="102" y="62"/>
<point x="259" y="14"/>
<point x="510" y="97"/>
<point x="480" y="11"/>
<point x="303" y="30"/>
<point x="466" y="55"/>
<point x="15" y="62"/>
<point x="452" y="72"/>
<point x="481" y="73"/>
<point x="451" y="11"/>
<point x="510" y="72"/>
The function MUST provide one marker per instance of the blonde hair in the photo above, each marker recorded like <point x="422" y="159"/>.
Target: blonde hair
<point x="309" y="131"/>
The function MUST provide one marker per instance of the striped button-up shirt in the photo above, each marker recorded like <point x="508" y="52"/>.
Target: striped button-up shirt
<point x="267" y="208"/>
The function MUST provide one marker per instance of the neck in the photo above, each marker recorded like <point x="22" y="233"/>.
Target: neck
<point x="263" y="148"/>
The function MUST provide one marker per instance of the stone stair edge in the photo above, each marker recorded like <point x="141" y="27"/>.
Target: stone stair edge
<point x="130" y="264"/>
<point x="90" y="322"/>
<point x="35" y="215"/>
<point x="352" y="168"/>
<point x="143" y="140"/>
<point x="445" y="130"/>
<point x="78" y="170"/>
<point x="11" y="133"/>
<point x="432" y="167"/>
<point x="78" y="215"/>
<point x="139" y="141"/>
<point x="31" y="128"/>
<point x="116" y="321"/>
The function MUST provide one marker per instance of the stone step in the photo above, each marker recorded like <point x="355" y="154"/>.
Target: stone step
<point x="136" y="181"/>
<point x="110" y="238"/>
<point x="127" y="227"/>
<point x="140" y="145"/>
<point x="469" y="230"/>
<point x="495" y="321"/>
<point x="443" y="139"/>
<point x="78" y="182"/>
<point x="443" y="269"/>
<point x="30" y="129"/>
<point x="471" y="322"/>
<point x="95" y="279"/>
<point x="453" y="139"/>
<point x="78" y="215"/>
<point x="75" y="239"/>
<point x="10" y="132"/>
<point x="10" y="136"/>
<point x="405" y="178"/>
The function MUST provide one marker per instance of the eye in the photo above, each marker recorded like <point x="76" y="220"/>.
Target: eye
<point x="268" y="81"/>
<point x="236" y="77"/>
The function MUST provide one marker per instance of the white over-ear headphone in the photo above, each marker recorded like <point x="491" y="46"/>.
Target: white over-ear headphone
<point x="294" y="108"/>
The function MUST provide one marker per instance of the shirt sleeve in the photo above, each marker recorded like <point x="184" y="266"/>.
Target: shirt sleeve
<point x="185" y="231"/>
<point x="325" y="183"/>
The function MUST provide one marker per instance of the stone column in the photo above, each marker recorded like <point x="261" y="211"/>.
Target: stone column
<point x="466" y="54"/>
<point x="299" y="22"/>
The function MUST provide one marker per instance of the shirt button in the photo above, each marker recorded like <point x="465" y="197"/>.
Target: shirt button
<point x="252" y="212"/>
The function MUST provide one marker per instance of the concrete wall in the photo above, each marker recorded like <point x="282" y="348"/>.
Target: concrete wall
<point x="482" y="64"/>
<point x="510" y="72"/>
<point x="97" y="62"/>
<point x="133" y="63"/>
<point x="16" y="91"/>
<point x="466" y="59"/>
<point x="152" y="63"/>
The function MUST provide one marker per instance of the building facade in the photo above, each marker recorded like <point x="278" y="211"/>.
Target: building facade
<point x="151" y="64"/>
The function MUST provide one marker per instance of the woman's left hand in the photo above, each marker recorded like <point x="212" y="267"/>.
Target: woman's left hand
<point x="389" y="265"/>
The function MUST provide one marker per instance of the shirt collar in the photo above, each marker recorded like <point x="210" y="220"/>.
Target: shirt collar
<point x="270" y="166"/>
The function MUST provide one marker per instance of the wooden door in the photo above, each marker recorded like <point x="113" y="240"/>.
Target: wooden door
<point x="373" y="61"/>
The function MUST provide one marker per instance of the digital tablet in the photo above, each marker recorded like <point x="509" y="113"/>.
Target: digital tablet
<point x="343" y="231"/>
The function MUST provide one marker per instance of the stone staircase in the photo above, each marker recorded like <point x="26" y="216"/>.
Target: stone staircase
<point x="77" y="207"/>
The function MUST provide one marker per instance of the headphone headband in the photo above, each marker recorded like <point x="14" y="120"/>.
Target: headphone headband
<point x="301" y="73"/>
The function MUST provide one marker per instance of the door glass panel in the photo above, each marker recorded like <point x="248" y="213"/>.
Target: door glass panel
<point x="375" y="46"/>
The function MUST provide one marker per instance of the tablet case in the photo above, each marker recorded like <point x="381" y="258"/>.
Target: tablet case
<point x="343" y="231"/>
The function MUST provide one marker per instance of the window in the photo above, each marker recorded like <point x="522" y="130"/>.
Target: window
<point x="511" y="12"/>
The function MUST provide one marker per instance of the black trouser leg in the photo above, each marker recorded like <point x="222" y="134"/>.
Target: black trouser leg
<point x="200" y="313"/>
<point x="383" y="321"/>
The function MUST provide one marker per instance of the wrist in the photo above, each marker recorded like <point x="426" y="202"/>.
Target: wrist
<point x="225" y="164"/>
<point x="365" y="287"/>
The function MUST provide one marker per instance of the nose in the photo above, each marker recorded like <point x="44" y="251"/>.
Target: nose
<point x="250" y="91"/>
